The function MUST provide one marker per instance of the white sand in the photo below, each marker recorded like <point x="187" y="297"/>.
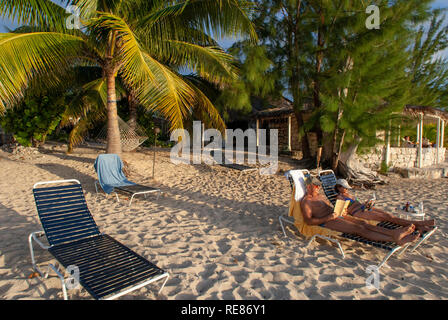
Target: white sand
<point x="218" y="236"/>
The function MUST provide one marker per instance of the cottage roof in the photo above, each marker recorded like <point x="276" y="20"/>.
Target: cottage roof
<point x="283" y="107"/>
<point x="277" y="108"/>
<point x="415" y="111"/>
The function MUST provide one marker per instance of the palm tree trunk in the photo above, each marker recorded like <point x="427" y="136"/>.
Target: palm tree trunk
<point x="132" y="102"/>
<point x="113" y="131"/>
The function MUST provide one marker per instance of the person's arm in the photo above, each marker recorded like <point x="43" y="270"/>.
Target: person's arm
<point x="308" y="216"/>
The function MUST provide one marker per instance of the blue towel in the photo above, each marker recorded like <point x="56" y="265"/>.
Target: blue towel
<point x="110" y="174"/>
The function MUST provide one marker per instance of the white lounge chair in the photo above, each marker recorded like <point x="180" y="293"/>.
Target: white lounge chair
<point x="298" y="183"/>
<point x="328" y="179"/>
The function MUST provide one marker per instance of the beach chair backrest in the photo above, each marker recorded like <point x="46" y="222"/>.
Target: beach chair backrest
<point x="63" y="212"/>
<point x="109" y="163"/>
<point x="291" y="182"/>
<point x="305" y="172"/>
<point x="328" y="179"/>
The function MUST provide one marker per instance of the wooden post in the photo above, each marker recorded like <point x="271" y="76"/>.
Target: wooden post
<point x="289" y="133"/>
<point x="387" y="156"/>
<point x="399" y="136"/>
<point x="258" y="132"/>
<point x="442" y="138"/>
<point x="202" y="136"/>
<point x="418" y="132"/>
<point x="438" y="141"/>
<point x="420" y="139"/>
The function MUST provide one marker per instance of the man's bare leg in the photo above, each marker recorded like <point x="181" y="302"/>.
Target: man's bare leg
<point x="379" y="215"/>
<point x="345" y="226"/>
<point x="396" y="234"/>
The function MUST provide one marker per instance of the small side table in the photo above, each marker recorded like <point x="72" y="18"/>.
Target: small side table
<point x="411" y="215"/>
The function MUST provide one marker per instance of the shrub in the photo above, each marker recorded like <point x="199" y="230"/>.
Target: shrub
<point x="33" y="119"/>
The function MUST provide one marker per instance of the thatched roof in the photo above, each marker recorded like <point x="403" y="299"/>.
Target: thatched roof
<point x="415" y="111"/>
<point x="283" y="107"/>
<point x="277" y="108"/>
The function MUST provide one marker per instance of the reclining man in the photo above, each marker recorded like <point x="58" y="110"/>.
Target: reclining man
<point x="317" y="210"/>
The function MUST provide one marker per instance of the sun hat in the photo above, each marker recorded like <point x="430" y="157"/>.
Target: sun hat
<point x="343" y="183"/>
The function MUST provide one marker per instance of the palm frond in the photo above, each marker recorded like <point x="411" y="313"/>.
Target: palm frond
<point x="26" y="56"/>
<point x="43" y="13"/>
<point x="211" y="63"/>
<point x="78" y="133"/>
<point x="130" y="53"/>
<point x="218" y="18"/>
<point x="169" y="94"/>
<point x="210" y="115"/>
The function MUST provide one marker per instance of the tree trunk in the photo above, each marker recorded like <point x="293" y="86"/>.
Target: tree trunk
<point x="132" y="102"/>
<point x="306" y="151"/>
<point x="326" y="147"/>
<point x="316" y="83"/>
<point x="337" y="148"/>
<point x="113" y="131"/>
<point x="353" y="170"/>
<point x="294" y="64"/>
<point x="337" y="152"/>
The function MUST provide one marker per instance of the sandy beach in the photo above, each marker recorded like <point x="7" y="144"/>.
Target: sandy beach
<point x="216" y="233"/>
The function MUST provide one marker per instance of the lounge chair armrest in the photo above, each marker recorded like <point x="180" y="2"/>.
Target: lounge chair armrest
<point x="35" y="236"/>
<point x="55" y="181"/>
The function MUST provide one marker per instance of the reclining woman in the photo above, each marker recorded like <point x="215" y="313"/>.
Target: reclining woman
<point x="361" y="211"/>
<point x="317" y="210"/>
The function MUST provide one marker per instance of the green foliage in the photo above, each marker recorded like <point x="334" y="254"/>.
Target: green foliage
<point x="384" y="167"/>
<point x="429" y="70"/>
<point x="256" y="79"/>
<point x="430" y="132"/>
<point x="366" y="77"/>
<point x="353" y="79"/>
<point x="33" y="119"/>
<point x="146" y="43"/>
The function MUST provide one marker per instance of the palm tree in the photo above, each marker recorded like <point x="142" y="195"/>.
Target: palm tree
<point x="144" y="42"/>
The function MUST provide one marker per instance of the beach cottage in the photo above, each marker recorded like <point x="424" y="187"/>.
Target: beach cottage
<point x="279" y="114"/>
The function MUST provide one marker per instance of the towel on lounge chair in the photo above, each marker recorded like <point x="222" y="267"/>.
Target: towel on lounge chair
<point x="110" y="174"/>
<point x="299" y="180"/>
<point x="307" y="230"/>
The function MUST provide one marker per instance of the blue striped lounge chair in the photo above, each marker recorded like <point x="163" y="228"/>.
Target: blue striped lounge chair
<point x="106" y="268"/>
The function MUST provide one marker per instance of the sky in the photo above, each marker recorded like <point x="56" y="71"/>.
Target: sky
<point x="442" y="4"/>
<point x="226" y="43"/>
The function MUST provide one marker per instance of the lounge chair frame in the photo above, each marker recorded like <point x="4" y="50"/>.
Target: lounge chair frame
<point x="286" y="219"/>
<point x="391" y="250"/>
<point x="126" y="255"/>
<point x="235" y="166"/>
<point x="239" y="167"/>
<point x="328" y="179"/>
<point x="133" y="194"/>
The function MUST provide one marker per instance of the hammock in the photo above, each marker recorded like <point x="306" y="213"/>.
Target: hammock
<point x="130" y="139"/>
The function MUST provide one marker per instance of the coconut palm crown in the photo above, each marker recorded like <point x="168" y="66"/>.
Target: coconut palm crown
<point x="144" y="42"/>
